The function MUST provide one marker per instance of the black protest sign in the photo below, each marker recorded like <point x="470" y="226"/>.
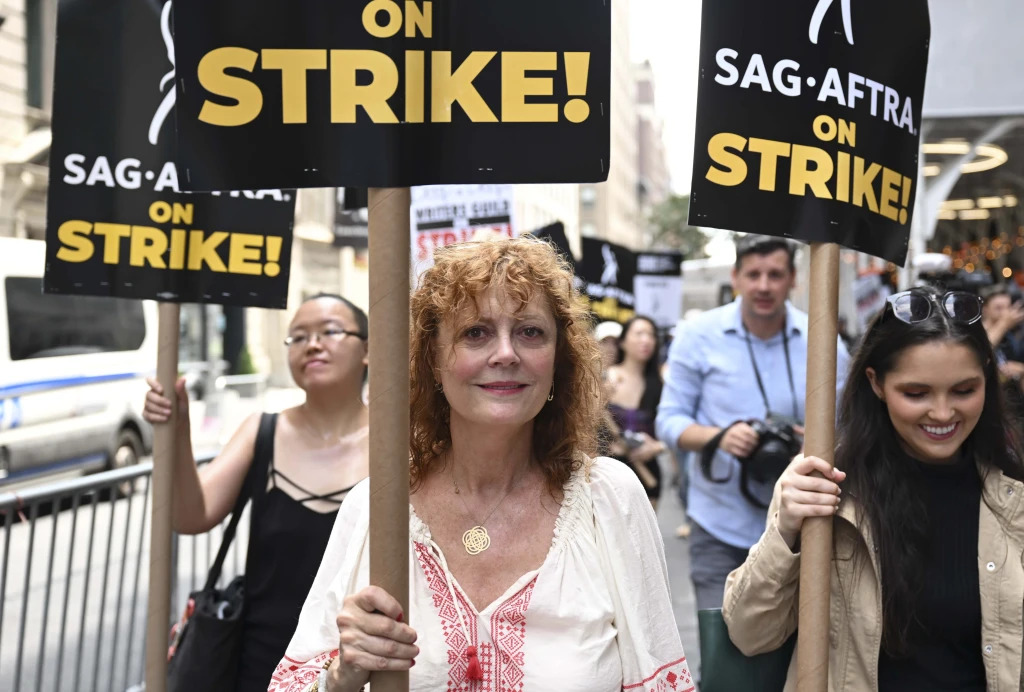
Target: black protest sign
<point x="808" y="117"/>
<point x="605" y="273"/>
<point x="554" y="233"/>
<point x="382" y="93"/>
<point x="658" y="286"/>
<point x="116" y="223"/>
<point x="351" y="224"/>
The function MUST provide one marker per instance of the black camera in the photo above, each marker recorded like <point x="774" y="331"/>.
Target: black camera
<point x="777" y="444"/>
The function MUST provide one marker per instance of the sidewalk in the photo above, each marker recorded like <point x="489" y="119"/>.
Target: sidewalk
<point x="677" y="554"/>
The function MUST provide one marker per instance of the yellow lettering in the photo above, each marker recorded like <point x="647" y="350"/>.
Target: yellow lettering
<point x="214" y="78"/>
<point x="394" y="13"/>
<point x="847" y="132"/>
<point x="863" y="180"/>
<point x="204" y="249"/>
<point x="824" y="128"/>
<point x="160" y="212"/>
<point x="416" y="18"/>
<point x="891" y="185"/>
<point x="735" y="168"/>
<point x="770" y="151"/>
<point x="448" y="88"/>
<point x="75" y="243"/>
<point x="147" y="247"/>
<point x="843" y="177"/>
<point x="293" y="63"/>
<point x="802" y="176"/>
<point x="177" y="260"/>
<point x="182" y="213"/>
<point x="244" y="256"/>
<point x="346" y="95"/>
<point x="112" y="234"/>
<point x="415" y="77"/>
<point x="516" y="86"/>
<point x="577" y="69"/>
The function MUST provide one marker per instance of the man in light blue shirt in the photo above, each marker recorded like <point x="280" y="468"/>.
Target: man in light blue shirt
<point x="712" y="385"/>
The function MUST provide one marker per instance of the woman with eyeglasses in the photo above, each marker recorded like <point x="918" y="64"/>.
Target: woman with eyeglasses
<point x="297" y="466"/>
<point x="927" y="580"/>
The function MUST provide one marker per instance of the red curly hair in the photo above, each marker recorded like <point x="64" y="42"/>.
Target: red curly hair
<point x="520" y="267"/>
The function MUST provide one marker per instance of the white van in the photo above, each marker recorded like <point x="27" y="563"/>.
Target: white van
<point x="72" y="374"/>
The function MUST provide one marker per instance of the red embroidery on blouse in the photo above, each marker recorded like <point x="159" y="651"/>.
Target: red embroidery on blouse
<point x="296" y="676"/>
<point x="673" y="676"/>
<point x="502" y="659"/>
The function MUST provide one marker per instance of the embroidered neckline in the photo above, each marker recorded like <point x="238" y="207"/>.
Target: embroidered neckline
<point x="565" y="521"/>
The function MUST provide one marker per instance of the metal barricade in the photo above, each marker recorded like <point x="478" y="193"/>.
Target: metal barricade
<point x="74" y="577"/>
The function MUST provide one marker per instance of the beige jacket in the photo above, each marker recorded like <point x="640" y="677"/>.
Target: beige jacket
<point x="761" y="596"/>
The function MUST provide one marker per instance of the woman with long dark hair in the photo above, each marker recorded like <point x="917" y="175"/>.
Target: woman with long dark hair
<point x="634" y="389"/>
<point x="927" y="580"/>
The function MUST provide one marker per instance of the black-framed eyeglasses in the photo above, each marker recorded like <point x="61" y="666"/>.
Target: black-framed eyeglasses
<point x="916" y="306"/>
<point x="334" y="334"/>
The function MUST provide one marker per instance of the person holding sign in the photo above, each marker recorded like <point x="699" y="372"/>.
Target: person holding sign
<point x="927" y="579"/>
<point x="734" y="395"/>
<point x="313" y="455"/>
<point x="532" y="565"/>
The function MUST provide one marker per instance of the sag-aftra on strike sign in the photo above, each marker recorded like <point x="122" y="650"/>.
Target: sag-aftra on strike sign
<point x="387" y="93"/>
<point x="808" y="117"/>
<point x="118" y="222"/>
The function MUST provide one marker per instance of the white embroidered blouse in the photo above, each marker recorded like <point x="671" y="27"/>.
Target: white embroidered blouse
<point x="596" y="615"/>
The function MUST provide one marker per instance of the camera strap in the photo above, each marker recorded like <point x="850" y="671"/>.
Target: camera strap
<point x="707" y="455"/>
<point x="789" y="371"/>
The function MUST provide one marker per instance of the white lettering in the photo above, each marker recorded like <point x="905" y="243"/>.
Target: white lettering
<point x="128" y="175"/>
<point x="731" y="73"/>
<point x="756" y="72"/>
<point x="853" y="89"/>
<point x="101" y="173"/>
<point x="168" y="178"/>
<point x="876" y="88"/>
<point x="832" y="87"/>
<point x="907" y="119"/>
<point x="72" y="164"/>
<point x="788" y="84"/>
<point x="892" y="102"/>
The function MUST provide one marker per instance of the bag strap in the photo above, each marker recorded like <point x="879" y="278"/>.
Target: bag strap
<point x="264" y="444"/>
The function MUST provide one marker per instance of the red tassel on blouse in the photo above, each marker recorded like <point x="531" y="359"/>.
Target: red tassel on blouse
<point x="473" y="672"/>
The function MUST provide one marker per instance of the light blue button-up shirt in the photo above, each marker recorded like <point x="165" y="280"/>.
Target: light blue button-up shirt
<point x="711" y="381"/>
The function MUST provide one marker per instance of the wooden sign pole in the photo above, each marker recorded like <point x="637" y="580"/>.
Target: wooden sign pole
<point x="820" y="407"/>
<point x="389" y="405"/>
<point x="164" y="449"/>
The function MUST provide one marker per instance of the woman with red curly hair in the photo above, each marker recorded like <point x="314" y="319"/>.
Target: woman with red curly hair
<point x="532" y="566"/>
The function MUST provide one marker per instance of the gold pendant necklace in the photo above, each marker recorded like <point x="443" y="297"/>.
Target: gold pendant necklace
<point x="476" y="540"/>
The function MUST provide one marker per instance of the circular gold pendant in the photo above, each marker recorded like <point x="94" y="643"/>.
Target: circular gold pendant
<point x="476" y="540"/>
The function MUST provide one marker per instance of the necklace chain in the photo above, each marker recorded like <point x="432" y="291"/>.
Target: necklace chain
<point x="476" y="540"/>
<point x="331" y="436"/>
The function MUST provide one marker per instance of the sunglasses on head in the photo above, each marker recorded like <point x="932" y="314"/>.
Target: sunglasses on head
<point x="916" y="306"/>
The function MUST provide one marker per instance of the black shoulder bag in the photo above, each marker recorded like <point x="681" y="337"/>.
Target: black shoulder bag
<point x="207" y="641"/>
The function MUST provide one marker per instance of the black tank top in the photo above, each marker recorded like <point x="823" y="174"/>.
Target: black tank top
<point x="286" y="543"/>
